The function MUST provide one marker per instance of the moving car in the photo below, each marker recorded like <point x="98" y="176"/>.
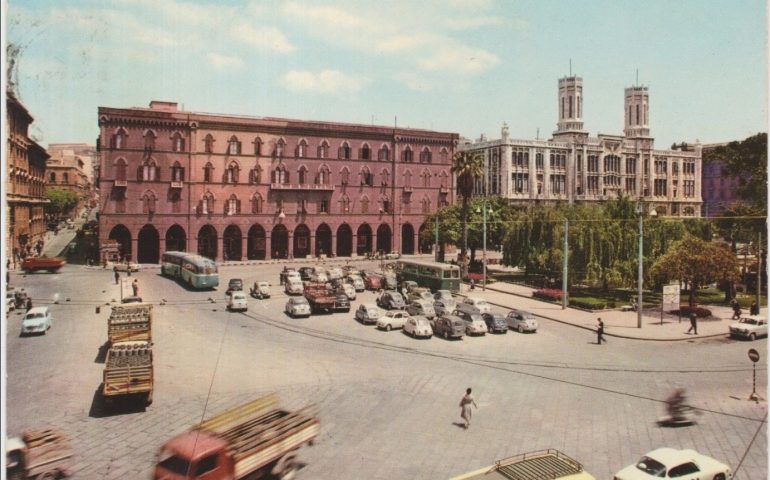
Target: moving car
<point x="671" y="463"/>
<point x="474" y="324"/>
<point x="238" y="302"/>
<point x="260" y="290"/>
<point x="293" y="286"/>
<point x="749" y="327"/>
<point x="286" y="272"/>
<point x="418" y="326"/>
<point x="448" y="327"/>
<point x="367" y="313"/>
<point x="521" y="321"/>
<point x="390" y="301"/>
<point x="33" y="264"/>
<point x="407" y="286"/>
<point x="495" y="322"/>
<point x="234" y="285"/>
<point x="389" y="281"/>
<point x="36" y="320"/>
<point x="421" y="307"/>
<point x="297" y="307"/>
<point x="391" y="320"/>
<point x="479" y="303"/>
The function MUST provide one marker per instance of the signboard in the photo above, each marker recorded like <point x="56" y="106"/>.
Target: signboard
<point x="671" y="297"/>
<point x="753" y="355"/>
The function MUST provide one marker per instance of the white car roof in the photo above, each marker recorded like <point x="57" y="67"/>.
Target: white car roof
<point x="671" y="457"/>
<point x="37" y="311"/>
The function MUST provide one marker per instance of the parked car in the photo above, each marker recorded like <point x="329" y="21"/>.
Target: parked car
<point x="237" y="301"/>
<point x="297" y="307"/>
<point x="495" y="322"/>
<point x="392" y="319"/>
<point x="420" y="294"/>
<point x="389" y="281"/>
<point x="421" y="307"/>
<point x="36" y="320"/>
<point x="671" y="463"/>
<point x="521" y="321"/>
<point x="749" y="327"/>
<point x="407" y="286"/>
<point x="349" y="270"/>
<point x="335" y="273"/>
<point x="418" y="326"/>
<point x="367" y="313"/>
<point x="286" y="272"/>
<point x="474" y="324"/>
<point x="392" y="256"/>
<point x="478" y="303"/>
<point x="445" y="296"/>
<point x="391" y="300"/>
<point x="342" y="304"/>
<point x="442" y="309"/>
<point x="356" y="281"/>
<point x="305" y="273"/>
<point x="372" y="281"/>
<point x="234" y="285"/>
<point x="349" y="290"/>
<point x="131" y="299"/>
<point x="319" y="276"/>
<point x="10" y="301"/>
<point x="448" y="327"/>
<point x="293" y="286"/>
<point x="260" y="290"/>
<point x="126" y="266"/>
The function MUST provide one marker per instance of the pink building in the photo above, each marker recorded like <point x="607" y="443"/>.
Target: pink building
<point x="235" y="188"/>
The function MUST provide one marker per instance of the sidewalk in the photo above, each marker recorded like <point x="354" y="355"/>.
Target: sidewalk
<point x="616" y="323"/>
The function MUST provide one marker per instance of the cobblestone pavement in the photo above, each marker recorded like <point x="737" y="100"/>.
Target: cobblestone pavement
<point x="388" y="404"/>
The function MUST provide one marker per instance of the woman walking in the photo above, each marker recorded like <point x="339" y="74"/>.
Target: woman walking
<point x="465" y="407"/>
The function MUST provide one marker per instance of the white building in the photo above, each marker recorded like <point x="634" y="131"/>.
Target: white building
<point x="575" y="167"/>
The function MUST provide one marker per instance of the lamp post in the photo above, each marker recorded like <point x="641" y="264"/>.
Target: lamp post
<point x="640" y="279"/>
<point x="484" y="250"/>
<point x="436" y="244"/>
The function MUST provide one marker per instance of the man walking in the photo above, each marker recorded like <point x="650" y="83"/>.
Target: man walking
<point x="736" y="309"/>
<point x="693" y="323"/>
<point x="117" y="275"/>
<point x="465" y="407"/>
<point x="600" y="332"/>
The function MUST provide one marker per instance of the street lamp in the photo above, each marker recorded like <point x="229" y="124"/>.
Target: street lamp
<point x="640" y="279"/>
<point x="484" y="251"/>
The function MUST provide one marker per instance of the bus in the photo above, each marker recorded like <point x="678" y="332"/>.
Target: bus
<point x="432" y="275"/>
<point x="195" y="271"/>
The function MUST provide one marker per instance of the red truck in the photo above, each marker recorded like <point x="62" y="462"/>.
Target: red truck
<point x="320" y="298"/>
<point x="251" y="441"/>
<point x="34" y="264"/>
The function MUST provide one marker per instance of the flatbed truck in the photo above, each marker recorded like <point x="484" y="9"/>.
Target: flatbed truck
<point x="128" y="372"/>
<point x="547" y="464"/>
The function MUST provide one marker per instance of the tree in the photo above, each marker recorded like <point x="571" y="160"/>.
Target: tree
<point x="61" y="200"/>
<point x="467" y="167"/>
<point x="697" y="263"/>
<point x="747" y="160"/>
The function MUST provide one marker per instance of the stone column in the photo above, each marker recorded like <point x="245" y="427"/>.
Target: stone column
<point x="290" y="246"/>
<point x="333" y="252"/>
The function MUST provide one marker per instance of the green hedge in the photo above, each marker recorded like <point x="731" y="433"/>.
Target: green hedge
<point x="588" y="303"/>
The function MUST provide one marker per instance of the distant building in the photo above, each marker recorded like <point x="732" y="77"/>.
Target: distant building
<point x="70" y="168"/>
<point x="574" y="167"/>
<point x="720" y="191"/>
<point x="235" y="188"/>
<point x="25" y="181"/>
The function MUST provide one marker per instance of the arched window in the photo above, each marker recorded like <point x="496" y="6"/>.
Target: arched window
<point x="149" y="140"/>
<point x="65" y="178"/>
<point x="323" y="149"/>
<point x="279" y="147"/>
<point x="302" y="148"/>
<point x="120" y="170"/>
<point x="177" y="142"/>
<point x="324" y="176"/>
<point x="148" y="171"/>
<point x="175" y="199"/>
<point x="365" y="204"/>
<point x="231" y="174"/>
<point x="444" y="154"/>
<point x="366" y="177"/>
<point x="344" y="175"/>
<point x="256" y="203"/>
<point x="177" y="172"/>
<point x="425" y="205"/>
<point x="425" y="178"/>
<point x="148" y="202"/>
<point x="52" y="177"/>
<point x="280" y="175"/>
<point x="206" y="205"/>
<point x="208" y="144"/>
<point x="406" y="155"/>
<point x="233" y="205"/>
<point x="344" y="151"/>
<point x="425" y="155"/>
<point x="258" y="146"/>
<point x="233" y="146"/>
<point x="345" y="204"/>
<point x="385" y="201"/>
<point x="365" y="153"/>
<point x="118" y="140"/>
<point x="208" y="173"/>
<point x="255" y="175"/>
<point x="302" y="177"/>
<point x="385" y="177"/>
<point x="383" y="154"/>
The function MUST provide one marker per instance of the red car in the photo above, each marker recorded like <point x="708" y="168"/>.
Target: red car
<point x="33" y="264"/>
<point x="372" y="281"/>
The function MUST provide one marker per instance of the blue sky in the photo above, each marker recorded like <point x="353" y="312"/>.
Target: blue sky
<point x="463" y="66"/>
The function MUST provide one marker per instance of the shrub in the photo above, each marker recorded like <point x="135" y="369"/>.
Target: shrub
<point x="588" y="303"/>
<point x="474" y="276"/>
<point x="549" y="294"/>
<point x="686" y="310"/>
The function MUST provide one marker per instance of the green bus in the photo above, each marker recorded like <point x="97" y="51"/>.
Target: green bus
<point x="195" y="271"/>
<point x="432" y="275"/>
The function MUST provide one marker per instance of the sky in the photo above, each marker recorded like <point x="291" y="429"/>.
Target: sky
<point x="463" y="66"/>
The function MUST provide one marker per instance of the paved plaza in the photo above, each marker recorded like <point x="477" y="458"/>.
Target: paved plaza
<point x="388" y="404"/>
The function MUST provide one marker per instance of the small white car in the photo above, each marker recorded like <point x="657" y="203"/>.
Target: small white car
<point x="749" y="327"/>
<point x="418" y="326"/>
<point x="260" y="290"/>
<point x="446" y="299"/>
<point x="420" y="294"/>
<point x="367" y="313"/>
<point x="474" y="323"/>
<point x="294" y="286"/>
<point x="421" y="307"/>
<point x="392" y="319"/>
<point x="36" y="320"/>
<point x="297" y="307"/>
<point x="479" y="303"/>
<point x="349" y="290"/>
<point x="521" y="321"/>
<point x="679" y="464"/>
<point x="319" y="277"/>
<point x="357" y="282"/>
<point x="238" y="302"/>
<point x="335" y="273"/>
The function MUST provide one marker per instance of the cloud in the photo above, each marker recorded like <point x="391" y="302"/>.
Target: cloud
<point x="468" y="23"/>
<point x="266" y="38"/>
<point x="413" y="81"/>
<point x="224" y="62"/>
<point x="459" y="59"/>
<point x="325" y="81"/>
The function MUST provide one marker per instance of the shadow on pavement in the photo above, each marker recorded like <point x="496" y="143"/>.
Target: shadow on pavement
<point x="101" y="354"/>
<point x="101" y="409"/>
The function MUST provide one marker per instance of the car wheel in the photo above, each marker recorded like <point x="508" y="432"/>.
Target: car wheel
<point x="753" y="337"/>
<point x="388" y="327"/>
<point x="719" y="476"/>
<point x="521" y="329"/>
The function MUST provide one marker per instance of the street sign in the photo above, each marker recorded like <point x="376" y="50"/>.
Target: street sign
<point x="753" y="355"/>
<point x="671" y="297"/>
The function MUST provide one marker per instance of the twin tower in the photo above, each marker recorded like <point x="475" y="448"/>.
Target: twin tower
<point x="636" y="109"/>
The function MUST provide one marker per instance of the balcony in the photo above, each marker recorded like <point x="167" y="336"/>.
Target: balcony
<point x="443" y="189"/>
<point x="302" y="186"/>
<point x="177" y="184"/>
<point x="121" y="183"/>
<point x="407" y="189"/>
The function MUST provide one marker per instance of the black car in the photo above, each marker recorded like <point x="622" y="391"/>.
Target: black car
<point x="391" y="300"/>
<point x="235" y="284"/>
<point x="495" y="322"/>
<point x="342" y="304"/>
<point x="305" y="273"/>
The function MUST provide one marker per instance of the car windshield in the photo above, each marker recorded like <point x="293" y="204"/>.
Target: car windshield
<point x="422" y="323"/>
<point x="35" y="315"/>
<point x="173" y="463"/>
<point x="749" y="321"/>
<point x="652" y="467"/>
<point x="239" y="296"/>
<point x="300" y="301"/>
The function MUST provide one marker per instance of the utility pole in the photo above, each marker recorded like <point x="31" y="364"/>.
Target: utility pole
<point x="565" y="266"/>
<point x="484" y="251"/>
<point x="436" y="247"/>
<point x="759" y="270"/>
<point x="640" y="278"/>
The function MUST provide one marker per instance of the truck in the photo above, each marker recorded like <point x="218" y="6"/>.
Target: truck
<point x="130" y="322"/>
<point x="40" y="453"/>
<point x="319" y="297"/>
<point x="547" y="464"/>
<point x="253" y="440"/>
<point x="128" y="372"/>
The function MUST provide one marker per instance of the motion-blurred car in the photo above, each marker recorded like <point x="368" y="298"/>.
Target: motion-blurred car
<point x="421" y="307"/>
<point x="34" y="264"/>
<point x="319" y="276"/>
<point x="671" y="463"/>
<point x="479" y="303"/>
<point x="389" y="281"/>
<point x="237" y="302"/>
<point x="372" y="281"/>
<point x="10" y="301"/>
<point x="297" y="307"/>
<point x="448" y="327"/>
<point x="474" y="324"/>
<point x="495" y="322"/>
<point x="749" y="327"/>
<point x="418" y="327"/>
<point x="391" y="320"/>
<point x="367" y="313"/>
<point x="521" y="321"/>
<point x="286" y="272"/>
<point x="407" y="286"/>
<point x="36" y="320"/>
<point x="390" y="301"/>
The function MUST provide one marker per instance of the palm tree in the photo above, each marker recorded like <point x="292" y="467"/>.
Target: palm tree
<point x="467" y="167"/>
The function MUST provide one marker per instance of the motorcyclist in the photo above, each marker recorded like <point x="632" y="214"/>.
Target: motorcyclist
<point x="677" y="408"/>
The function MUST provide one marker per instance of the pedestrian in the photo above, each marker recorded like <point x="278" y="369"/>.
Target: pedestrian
<point x="29" y="303"/>
<point x="465" y="407"/>
<point x="135" y="287"/>
<point x="117" y="275"/>
<point x="754" y="309"/>
<point x="473" y="284"/>
<point x="600" y="332"/>
<point x="7" y="278"/>
<point x="693" y="323"/>
<point x="736" y="309"/>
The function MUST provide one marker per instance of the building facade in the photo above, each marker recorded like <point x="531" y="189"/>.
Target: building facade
<point x="720" y="190"/>
<point x="575" y="167"/>
<point x="235" y="188"/>
<point x="70" y="168"/>
<point x="25" y="182"/>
